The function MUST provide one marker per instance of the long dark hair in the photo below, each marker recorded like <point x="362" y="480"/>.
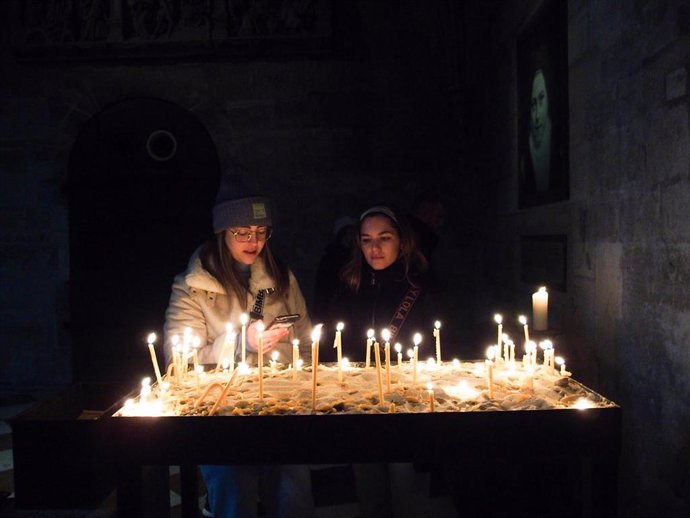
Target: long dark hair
<point x="217" y="260"/>
<point x="414" y="262"/>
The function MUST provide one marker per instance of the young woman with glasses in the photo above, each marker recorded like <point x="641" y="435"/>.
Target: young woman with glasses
<point x="224" y="279"/>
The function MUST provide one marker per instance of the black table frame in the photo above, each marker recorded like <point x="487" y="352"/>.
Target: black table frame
<point x="592" y="434"/>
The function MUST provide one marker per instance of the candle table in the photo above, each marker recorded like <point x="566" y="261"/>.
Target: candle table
<point x="585" y="440"/>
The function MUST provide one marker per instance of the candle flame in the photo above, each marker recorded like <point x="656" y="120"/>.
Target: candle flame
<point x="174" y="340"/>
<point x="228" y="328"/>
<point x="490" y="352"/>
<point x="370" y="333"/>
<point x="542" y="289"/>
<point x="316" y="333"/>
<point x="398" y="347"/>
<point x="417" y="338"/>
<point x="548" y="344"/>
<point x="151" y="338"/>
<point x="340" y="326"/>
<point x="430" y="387"/>
<point x="437" y="324"/>
<point x="196" y="341"/>
<point x="295" y="342"/>
<point x="260" y="327"/>
<point x="523" y="320"/>
<point x="274" y="355"/>
<point x="498" y="318"/>
<point x="345" y="363"/>
<point x="244" y="319"/>
<point x="560" y="360"/>
<point x="410" y="353"/>
<point x="583" y="404"/>
<point x="386" y="334"/>
<point x="146" y="382"/>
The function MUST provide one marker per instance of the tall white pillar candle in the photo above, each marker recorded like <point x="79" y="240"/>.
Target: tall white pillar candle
<point x="540" y="309"/>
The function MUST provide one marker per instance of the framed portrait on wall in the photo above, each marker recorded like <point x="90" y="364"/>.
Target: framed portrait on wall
<point x="542" y="99"/>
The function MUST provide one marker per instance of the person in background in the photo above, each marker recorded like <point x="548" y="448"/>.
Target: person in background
<point x="428" y="213"/>
<point x="222" y="281"/>
<point x="383" y="286"/>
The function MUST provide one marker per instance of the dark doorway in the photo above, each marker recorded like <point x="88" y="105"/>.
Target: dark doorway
<point x="142" y="177"/>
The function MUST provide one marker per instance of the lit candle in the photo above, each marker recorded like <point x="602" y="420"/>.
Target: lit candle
<point x="437" y="335"/>
<point x="490" y="371"/>
<point x="560" y="361"/>
<point x="416" y="339"/>
<point x="295" y="357"/>
<point x="499" y="320"/>
<point x="430" y="389"/>
<point x="145" y="389"/>
<point x="370" y="341"/>
<point x="244" y="319"/>
<point x="398" y="349"/>
<point x="274" y="361"/>
<point x="540" y="309"/>
<point x="174" y="342"/>
<point x="315" y="337"/>
<point x="531" y="350"/>
<point x="523" y="321"/>
<point x="529" y="379"/>
<point x="549" y="356"/>
<point x="379" y="382"/>
<point x="229" y="342"/>
<point x="196" y="341"/>
<point x="337" y="344"/>
<point x="260" y="353"/>
<point x="545" y="352"/>
<point x="184" y="359"/>
<point x="150" y="339"/>
<point x="506" y="348"/>
<point x="386" y="335"/>
<point x="186" y="344"/>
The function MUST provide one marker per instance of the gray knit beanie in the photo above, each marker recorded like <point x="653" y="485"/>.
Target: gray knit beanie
<point x="236" y="206"/>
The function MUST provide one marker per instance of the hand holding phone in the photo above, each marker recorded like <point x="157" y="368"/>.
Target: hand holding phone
<point x="283" y="321"/>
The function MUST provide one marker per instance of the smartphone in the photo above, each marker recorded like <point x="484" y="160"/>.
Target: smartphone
<point x="283" y="321"/>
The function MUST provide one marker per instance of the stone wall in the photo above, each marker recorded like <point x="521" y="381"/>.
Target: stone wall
<point x="376" y="117"/>
<point x="624" y="316"/>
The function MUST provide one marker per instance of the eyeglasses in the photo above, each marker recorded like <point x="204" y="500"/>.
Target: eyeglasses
<point x="243" y="236"/>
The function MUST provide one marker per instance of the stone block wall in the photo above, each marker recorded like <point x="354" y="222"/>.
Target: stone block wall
<point x="624" y="315"/>
<point x="323" y="135"/>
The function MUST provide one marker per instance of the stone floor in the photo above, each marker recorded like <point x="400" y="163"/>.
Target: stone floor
<point x="333" y="486"/>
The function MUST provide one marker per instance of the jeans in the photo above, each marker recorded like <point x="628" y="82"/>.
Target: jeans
<point x="284" y="491"/>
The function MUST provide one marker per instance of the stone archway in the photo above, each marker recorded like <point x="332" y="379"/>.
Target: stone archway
<point x="142" y="177"/>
